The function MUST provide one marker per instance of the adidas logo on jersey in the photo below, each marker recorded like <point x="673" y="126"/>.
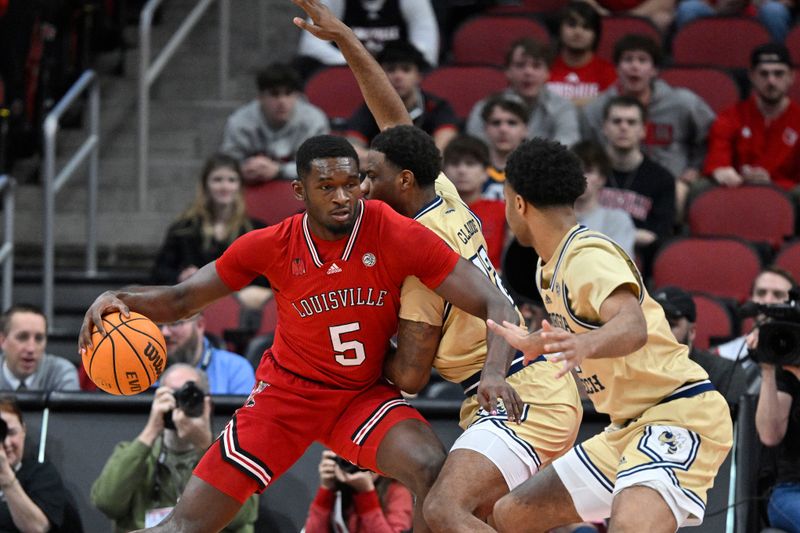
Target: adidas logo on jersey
<point x="334" y="269"/>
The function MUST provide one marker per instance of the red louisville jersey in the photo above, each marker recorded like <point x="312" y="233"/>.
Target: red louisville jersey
<point x="337" y="300"/>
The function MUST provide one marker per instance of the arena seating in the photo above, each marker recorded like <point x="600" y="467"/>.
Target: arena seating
<point x="714" y="321"/>
<point x="719" y="41"/>
<point x="757" y="213"/>
<point x="484" y="40"/>
<point x="464" y="85"/>
<point x="616" y="26"/>
<point x="272" y="201"/>
<point x="719" y="266"/>
<point x="713" y="85"/>
<point x="335" y="91"/>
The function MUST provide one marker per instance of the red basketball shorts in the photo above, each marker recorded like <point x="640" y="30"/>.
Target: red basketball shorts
<point x="284" y="415"/>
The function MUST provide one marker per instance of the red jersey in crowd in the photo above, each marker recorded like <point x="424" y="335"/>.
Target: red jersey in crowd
<point x="582" y="83"/>
<point x="337" y="300"/>
<point x="740" y="136"/>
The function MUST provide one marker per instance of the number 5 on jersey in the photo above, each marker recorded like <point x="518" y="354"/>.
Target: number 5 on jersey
<point x="341" y="347"/>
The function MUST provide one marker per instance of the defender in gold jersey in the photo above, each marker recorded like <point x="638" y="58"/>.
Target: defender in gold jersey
<point x="670" y="430"/>
<point x="493" y="455"/>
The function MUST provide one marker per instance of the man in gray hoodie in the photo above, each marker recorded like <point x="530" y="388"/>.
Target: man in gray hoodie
<point x="677" y="119"/>
<point x="265" y="134"/>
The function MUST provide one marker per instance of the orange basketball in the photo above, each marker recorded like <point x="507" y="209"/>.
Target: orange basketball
<point x="129" y="357"/>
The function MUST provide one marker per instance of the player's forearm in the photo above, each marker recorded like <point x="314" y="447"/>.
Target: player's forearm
<point x="622" y="335"/>
<point x="409" y="365"/>
<point x="162" y="304"/>
<point x="382" y="100"/>
<point x="499" y="353"/>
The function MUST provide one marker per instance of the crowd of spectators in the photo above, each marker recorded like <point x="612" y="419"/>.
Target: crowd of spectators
<point x="647" y="149"/>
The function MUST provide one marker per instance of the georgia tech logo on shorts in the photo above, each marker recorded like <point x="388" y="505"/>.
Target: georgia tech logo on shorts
<point x="670" y="442"/>
<point x="368" y="259"/>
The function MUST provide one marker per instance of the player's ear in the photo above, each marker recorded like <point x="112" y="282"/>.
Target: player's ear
<point x="520" y="205"/>
<point x="407" y="180"/>
<point x="298" y="186"/>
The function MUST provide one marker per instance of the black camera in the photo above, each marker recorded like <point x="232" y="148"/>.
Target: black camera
<point x="778" y="334"/>
<point x="188" y="399"/>
<point x="346" y="466"/>
<point x="3" y="430"/>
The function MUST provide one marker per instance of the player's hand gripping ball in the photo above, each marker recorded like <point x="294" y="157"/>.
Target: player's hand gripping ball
<point x="129" y="357"/>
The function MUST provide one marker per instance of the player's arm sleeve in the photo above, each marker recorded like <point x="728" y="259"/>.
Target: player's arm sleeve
<point x="124" y="472"/>
<point x="429" y="258"/>
<point x="594" y="272"/>
<point x="423" y="31"/>
<point x="420" y="304"/>
<point x="247" y="257"/>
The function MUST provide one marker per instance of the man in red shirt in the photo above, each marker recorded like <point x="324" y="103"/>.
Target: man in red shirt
<point x="758" y="139"/>
<point x="577" y="73"/>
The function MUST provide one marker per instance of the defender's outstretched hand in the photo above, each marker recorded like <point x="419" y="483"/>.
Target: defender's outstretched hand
<point x="530" y="344"/>
<point x="324" y="25"/>
<point x="565" y="346"/>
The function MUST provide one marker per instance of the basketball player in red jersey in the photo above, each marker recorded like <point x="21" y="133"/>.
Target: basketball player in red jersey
<point x="336" y="271"/>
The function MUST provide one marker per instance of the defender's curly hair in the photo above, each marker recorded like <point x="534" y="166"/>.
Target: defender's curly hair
<point x="545" y="173"/>
<point x="319" y="147"/>
<point x="410" y="148"/>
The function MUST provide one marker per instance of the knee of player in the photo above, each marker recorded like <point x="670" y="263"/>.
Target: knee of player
<point x="437" y="510"/>
<point x="504" y="510"/>
<point x="427" y="463"/>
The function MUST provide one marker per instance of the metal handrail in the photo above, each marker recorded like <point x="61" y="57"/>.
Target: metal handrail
<point x="53" y="183"/>
<point x="7" y="186"/>
<point x="149" y="72"/>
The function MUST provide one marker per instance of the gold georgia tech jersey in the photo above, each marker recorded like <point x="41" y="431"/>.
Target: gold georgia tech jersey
<point x="585" y="269"/>
<point x="462" y="348"/>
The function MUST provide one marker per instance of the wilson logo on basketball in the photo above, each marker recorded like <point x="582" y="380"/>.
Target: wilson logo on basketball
<point x="151" y="352"/>
<point x="133" y="381"/>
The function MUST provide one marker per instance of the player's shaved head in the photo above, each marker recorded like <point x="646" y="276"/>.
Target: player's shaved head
<point x="322" y="147"/>
<point x="545" y="173"/>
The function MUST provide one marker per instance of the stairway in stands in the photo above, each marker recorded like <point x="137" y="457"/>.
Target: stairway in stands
<point x="187" y="117"/>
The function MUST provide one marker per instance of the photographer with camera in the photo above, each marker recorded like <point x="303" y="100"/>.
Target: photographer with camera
<point x="776" y="347"/>
<point x="33" y="495"/>
<point x="351" y="500"/>
<point x="142" y="480"/>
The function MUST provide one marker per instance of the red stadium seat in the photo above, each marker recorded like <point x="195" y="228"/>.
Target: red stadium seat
<point x="793" y="44"/>
<point x="221" y="315"/>
<point x="485" y="40"/>
<point x="789" y="258"/>
<point x="714" y="320"/>
<point x="715" y="86"/>
<point x="272" y="201"/>
<point x="723" y="42"/>
<point x="463" y="86"/>
<point x="722" y="267"/>
<point x="528" y="6"/>
<point x="335" y="91"/>
<point x="616" y="26"/>
<point x="756" y="213"/>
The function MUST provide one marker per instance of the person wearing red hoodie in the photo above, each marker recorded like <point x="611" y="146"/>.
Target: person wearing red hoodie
<point x="758" y="139"/>
<point x="357" y="502"/>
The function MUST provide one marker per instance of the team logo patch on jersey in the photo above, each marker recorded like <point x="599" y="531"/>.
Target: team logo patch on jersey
<point x="789" y="136"/>
<point x="368" y="259"/>
<point x="334" y="269"/>
<point x="298" y="267"/>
